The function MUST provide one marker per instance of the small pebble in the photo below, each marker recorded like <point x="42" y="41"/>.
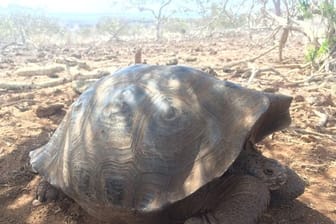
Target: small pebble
<point x="36" y="202"/>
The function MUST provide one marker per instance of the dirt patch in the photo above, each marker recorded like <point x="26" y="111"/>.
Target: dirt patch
<point x="307" y="146"/>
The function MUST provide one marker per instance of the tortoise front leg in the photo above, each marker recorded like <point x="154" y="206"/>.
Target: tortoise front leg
<point x="239" y="200"/>
<point x="45" y="193"/>
<point x="292" y="189"/>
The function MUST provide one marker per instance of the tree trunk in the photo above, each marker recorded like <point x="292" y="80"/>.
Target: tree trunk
<point x="277" y="7"/>
<point x="158" y="30"/>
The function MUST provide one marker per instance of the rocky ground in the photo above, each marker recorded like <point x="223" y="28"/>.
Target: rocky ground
<point x="28" y="116"/>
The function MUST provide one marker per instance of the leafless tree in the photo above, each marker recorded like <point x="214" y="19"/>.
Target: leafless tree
<point x="211" y="13"/>
<point x="158" y="14"/>
<point x="277" y="7"/>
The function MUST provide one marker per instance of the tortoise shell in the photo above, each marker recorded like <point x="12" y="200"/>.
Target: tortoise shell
<point x="148" y="136"/>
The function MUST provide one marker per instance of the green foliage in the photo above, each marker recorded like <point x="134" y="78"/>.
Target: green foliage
<point x="304" y="9"/>
<point x="328" y="11"/>
<point x="323" y="49"/>
<point x="311" y="53"/>
<point x="314" y="53"/>
<point x="325" y="8"/>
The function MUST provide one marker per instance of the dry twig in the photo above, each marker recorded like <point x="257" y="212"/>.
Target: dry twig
<point x="314" y="133"/>
<point x="28" y="86"/>
<point x="97" y="75"/>
<point x="252" y="59"/>
<point x="283" y="40"/>
<point x="256" y="72"/>
<point x="39" y="71"/>
<point x="17" y="102"/>
<point x="137" y="56"/>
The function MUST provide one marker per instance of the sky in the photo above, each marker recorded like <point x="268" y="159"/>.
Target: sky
<point x="64" y="6"/>
<point x="88" y="10"/>
<point x="119" y="8"/>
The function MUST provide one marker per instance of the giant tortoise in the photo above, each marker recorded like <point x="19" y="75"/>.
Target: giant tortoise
<point x="168" y="144"/>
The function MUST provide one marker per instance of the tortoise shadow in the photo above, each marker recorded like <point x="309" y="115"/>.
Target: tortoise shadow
<point x="295" y="212"/>
<point x="18" y="188"/>
<point x="16" y="180"/>
<point x="19" y="185"/>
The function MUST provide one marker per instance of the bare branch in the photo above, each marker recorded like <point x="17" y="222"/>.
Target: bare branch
<point x="40" y="71"/>
<point x="228" y="65"/>
<point x="282" y="42"/>
<point x="256" y="72"/>
<point x="149" y="10"/>
<point x="158" y="15"/>
<point x="28" y="86"/>
<point x="162" y="7"/>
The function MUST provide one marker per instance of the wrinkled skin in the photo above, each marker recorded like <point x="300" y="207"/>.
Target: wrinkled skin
<point x="283" y="183"/>
<point x="157" y="144"/>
